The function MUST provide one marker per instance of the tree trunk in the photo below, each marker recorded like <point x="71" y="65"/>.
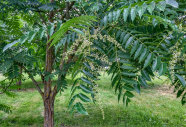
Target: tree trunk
<point x="49" y="95"/>
<point x="20" y="80"/>
<point x="49" y="113"/>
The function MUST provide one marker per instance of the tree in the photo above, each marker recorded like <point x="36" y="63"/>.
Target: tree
<point x="134" y="39"/>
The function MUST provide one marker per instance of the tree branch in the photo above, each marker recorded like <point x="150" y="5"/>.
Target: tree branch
<point x="35" y="82"/>
<point x="68" y="8"/>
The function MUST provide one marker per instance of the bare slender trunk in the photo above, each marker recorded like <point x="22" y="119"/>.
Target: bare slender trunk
<point x="49" y="93"/>
<point x="20" y="80"/>
<point x="49" y="113"/>
<point x="49" y="97"/>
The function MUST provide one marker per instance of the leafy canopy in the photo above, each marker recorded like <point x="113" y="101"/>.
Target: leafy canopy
<point x="136" y="40"/>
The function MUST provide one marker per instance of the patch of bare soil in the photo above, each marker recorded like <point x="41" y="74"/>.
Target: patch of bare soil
<point x="25" y="90"/>
<point x="166" y="90"/>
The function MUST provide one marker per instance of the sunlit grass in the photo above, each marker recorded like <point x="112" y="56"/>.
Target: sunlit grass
<point x="154" y="107"/>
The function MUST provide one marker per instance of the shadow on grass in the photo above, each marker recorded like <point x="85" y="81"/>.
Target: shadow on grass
<point x="115" y="116"/>
<point x="29" y="84"/>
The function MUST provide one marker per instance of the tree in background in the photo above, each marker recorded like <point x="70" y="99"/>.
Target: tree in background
<point x="137" y="40"/>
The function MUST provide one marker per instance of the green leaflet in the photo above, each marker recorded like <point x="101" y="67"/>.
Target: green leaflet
<point x="133" y="13"/>
<point x="85" y="89"/>
<point x="142" y="81"/>
<point x="77" y="31"/>
<point x="129" y="81"/>
<point x="79" y="107"/>
<point x="125" y="61"/>
<point x="128" y="101"/>
<point x="23" y="39"/>
<point x="58" y="25"/>
<point x="172" y="3"/>
<point x="83" y="97"/>
<point x="146" y="75"/>
<point x="73" y="36"/>
<point x="87" y="81"/>
<point x="125" y="67"/>
<point x="183" y="100"/>
<point x="72" y="101"/>
<point x="6" y="65"/>
<point x="122" y="36"/>
<point x="142" y="9"/>
<point x="125" y="14"/>
<point x="128" y="42"/>
<point x="154" y="22"/>
<point x="118" y="34"/>
<point x="117" y="86"/>
<point x="10" y="45"/>
<point x="139" y="51"/>
<point x="114" y="15"/>
<point x="130" y="74"/>
<point x="125" y="38"/>
<point x="129" y="94"/>
<point x="156" y="63"/>
<point x="151" y="7"/>
<point x="143" y="55"/>
<point x="61" y="84"/>
<point x="136" y="43"/>
<point x="50" y="29"/>
<point x="161" y="5"/>
<point x="148" y="60"/>
<point x="162" y="69"/>
<point x="181" y="79"/>
<point x="105" y="20"/>
<point x="69" y="36"/>
<point x="118" y="14"/>
<point x="115" y="79"/>
<point x="137" y="88"/>
<point x="180" y="91"/>
<point x="31" y="35"/>
<point x="41" y="33"/>
<point x="119" y="95"/>
<point x="124" y="55"/>
<point x="128" y="87"/>
<point x="87" y="66"/>
<point x="88" y="74"/>
<point x="110" y="17"/>
<point x="113" y="66"/>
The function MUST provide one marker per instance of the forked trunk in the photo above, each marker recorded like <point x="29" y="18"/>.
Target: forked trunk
<point x="49" y="113"/>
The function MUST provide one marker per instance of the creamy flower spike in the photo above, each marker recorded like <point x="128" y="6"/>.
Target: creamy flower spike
<point x="176" y="51"/>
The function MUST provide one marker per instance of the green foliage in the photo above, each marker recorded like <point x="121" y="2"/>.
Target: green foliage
<point x="5" y="108"/>
<point x="135" y="40"/>
<point x="74" y="24"/>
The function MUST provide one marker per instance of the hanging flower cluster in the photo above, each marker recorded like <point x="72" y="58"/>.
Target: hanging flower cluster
<point x="112" y="40"/>
<point x="176" y="53"/>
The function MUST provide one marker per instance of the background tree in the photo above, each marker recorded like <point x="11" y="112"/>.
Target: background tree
<point x="136" y="40"/>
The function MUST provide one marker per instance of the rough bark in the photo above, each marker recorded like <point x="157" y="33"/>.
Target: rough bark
<point x="48" y="93"/>
<point x="49" y="112"/>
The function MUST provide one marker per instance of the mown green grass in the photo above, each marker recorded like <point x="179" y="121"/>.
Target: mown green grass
<point x="154" y="107"/>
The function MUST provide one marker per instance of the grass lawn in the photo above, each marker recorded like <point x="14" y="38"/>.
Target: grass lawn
<point x="154" y="107"/>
